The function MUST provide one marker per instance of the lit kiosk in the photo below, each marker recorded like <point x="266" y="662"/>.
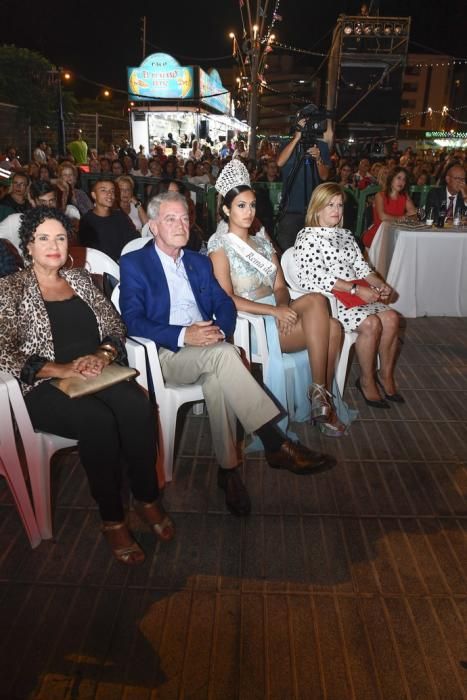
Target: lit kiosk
<point x="175" y="99"/>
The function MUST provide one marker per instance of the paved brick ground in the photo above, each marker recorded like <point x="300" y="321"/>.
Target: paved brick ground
<point x="347" y="585"/>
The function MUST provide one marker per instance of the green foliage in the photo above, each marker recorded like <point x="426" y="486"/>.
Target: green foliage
<point x="25" y="81"/>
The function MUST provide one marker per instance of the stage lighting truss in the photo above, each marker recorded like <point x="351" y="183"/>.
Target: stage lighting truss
<point x="373" y="27"/>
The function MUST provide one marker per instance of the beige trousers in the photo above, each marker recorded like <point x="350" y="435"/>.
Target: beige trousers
<point x="229" y="390"/>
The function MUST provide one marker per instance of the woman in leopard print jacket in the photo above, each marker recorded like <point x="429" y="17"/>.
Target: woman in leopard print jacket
<point x="54" y="323"/>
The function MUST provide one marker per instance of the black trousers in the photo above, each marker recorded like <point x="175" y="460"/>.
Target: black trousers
<point x="115" y="423"/>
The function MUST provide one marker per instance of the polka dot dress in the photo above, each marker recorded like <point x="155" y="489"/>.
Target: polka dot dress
<point x="323" y="255"/>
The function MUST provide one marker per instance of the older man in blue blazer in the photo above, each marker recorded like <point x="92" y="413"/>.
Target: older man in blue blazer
<point x="170" y="295"/>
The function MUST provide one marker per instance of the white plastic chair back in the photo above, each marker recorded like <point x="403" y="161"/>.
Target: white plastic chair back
<point x="135" y="244"/>
<point x="169" y="398"/>
<point x="290" y="274"/>
<point x="95" y="261"/>
<point x="10" y="468"/>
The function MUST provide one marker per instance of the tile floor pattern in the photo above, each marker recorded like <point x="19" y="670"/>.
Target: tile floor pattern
<point x="347" y="585"/>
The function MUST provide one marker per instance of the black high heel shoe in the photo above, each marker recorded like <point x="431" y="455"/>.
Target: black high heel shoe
<point x="396" y="398"/>
<point x="374" y="404"/>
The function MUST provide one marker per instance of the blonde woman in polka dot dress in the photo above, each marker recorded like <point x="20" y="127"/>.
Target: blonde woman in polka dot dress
<point x="328" y="259"/>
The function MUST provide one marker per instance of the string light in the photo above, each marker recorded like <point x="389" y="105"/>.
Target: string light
<point x="440" y="64"/>
<point x="279" y="45"/>
<point x="444" y="112"/>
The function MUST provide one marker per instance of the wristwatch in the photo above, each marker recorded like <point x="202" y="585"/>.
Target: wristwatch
<point x="353" y="289"/>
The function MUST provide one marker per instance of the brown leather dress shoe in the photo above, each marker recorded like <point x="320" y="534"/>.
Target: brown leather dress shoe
<point x="298" y="459"/>
<point x="237" y="499"/>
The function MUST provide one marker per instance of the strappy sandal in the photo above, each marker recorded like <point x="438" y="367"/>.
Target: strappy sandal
<point x="163" y="529"/>
<point x="132" y="555"/>
<point x="332" y="426"/>
<point x="320" y="404"/>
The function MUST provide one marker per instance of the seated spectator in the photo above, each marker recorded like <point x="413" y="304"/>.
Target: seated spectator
<point x="94" y="165"/>
<point x="128" y="164"/>
<point x="106" y="228"/>
<point x="452" y="193"/>
<point x="129" y="204"/>
<point x="363" y="178"/>
<point x="10" y="259"/>
<point x="105" y="164"/>
<point x="17" y="198"/>
<point x="170" y="295"/>
<point x="44" y="173"/>
<point x="11" y="160"/>
<point x="190" y="170"/>
<point x="195" y="153"/>
<point x="155" y="168"/>
<point x="240" y="150"/>
<point x="271" y="174"/>
<point x="344" y="175"/>
<point x="196" y="238"/>
<point x="39" y="154"/>
<point x="142" y="167"/>
<point x="169" y="167"/>
<point x="117" y="168"/>
<point x="69" y="174"/>
<point x="390" y="204"/>
<point x="327" y="258"/>
<point x="75" y="333"/>
<point x="112" y="153"/>
<point x="294" y="325"/>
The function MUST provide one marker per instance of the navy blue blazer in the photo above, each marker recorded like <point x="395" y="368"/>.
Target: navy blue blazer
<point x="145" y="298"/>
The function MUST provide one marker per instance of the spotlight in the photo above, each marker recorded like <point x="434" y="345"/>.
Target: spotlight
<point x="358" y="29"/>
<point x="377" y="28"/>
<point x="367" y="29"/>
<point x="398" y="29"/>
<point x="388" y="29"/>
<point x="348" y="29"/>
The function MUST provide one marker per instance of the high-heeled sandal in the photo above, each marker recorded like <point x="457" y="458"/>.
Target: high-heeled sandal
<point x="332" y="426"/>
<point x="163" y="529"/>
<point x="320" y="404"/>
<point x="132" y="555"/>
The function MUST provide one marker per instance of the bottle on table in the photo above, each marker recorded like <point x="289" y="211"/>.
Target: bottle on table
<point x="441" y="215"/>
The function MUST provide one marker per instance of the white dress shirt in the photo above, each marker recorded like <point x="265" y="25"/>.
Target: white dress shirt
<point x="184" y="310"/>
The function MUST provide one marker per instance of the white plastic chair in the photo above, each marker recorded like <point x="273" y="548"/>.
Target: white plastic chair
<point x="10" y="468"/>
<point x="95" y="261"/>
<point x="290" y="274"/>
<point x="39" y="447"/>
<point x="135" y="244"/>
<point x="245" y="323"/>
<point x="169" y="398"/>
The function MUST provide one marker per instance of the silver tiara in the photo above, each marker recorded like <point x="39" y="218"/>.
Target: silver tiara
<point x="233" y="175"/>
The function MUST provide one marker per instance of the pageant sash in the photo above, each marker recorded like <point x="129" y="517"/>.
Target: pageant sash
<point x="258" y="261"/>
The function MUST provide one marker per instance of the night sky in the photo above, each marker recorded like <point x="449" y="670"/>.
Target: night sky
<point x="99" y="39"/>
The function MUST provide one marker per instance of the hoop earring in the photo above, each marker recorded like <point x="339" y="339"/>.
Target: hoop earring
<point x="70" y="267"/>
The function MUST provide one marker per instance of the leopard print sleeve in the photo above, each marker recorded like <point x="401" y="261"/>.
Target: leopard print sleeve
<point x="15" y="349"/>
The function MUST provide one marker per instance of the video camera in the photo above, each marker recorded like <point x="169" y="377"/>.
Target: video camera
<point x="315" y="124"/>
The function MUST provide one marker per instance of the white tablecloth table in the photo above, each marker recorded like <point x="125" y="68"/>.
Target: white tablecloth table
<point x="426" y="267"/>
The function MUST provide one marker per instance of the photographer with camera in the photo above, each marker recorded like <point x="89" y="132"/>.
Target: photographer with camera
<point x="304" y="164"/>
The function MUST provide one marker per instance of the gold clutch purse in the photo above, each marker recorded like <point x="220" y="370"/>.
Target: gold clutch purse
<point x="74" y="387"/>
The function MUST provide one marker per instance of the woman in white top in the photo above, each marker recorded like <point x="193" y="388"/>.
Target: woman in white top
<point x="129" y="204"/>
<point x="328" y="259"/>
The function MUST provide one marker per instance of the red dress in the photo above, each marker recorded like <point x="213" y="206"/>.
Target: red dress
<point x="394" y="207"/>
